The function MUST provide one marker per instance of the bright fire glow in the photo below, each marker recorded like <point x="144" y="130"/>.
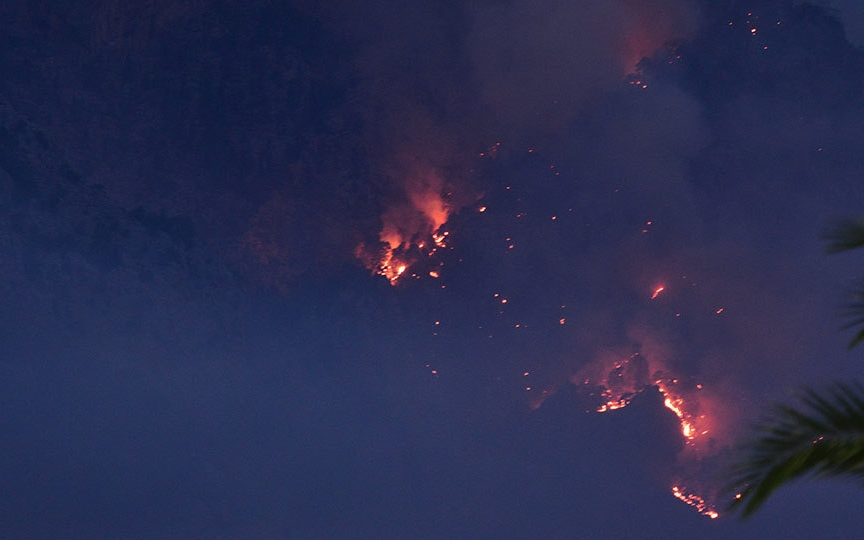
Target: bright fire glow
<point x="657" y="292"/>
<point x="626" y="378"/>
<point x="671" y="401"/>
<point x="412" y="230"/>
<point x="675" y="406"/>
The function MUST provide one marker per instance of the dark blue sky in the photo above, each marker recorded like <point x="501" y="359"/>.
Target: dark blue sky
<point x="194" y="197"/>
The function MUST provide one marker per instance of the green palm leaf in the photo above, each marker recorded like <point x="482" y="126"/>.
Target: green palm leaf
<point x="844" y="235"/>
<point x="823" y="435"/>
<point x="854" y="315"/>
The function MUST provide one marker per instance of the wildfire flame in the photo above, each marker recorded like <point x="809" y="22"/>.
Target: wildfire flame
<point x="671" y="401"/>
<point x="412" y="229"/>
<point x="626" y="379"/>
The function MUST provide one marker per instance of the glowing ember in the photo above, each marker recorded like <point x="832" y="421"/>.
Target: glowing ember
<point x="695" y="501"/>
<point x="613" y="405"/>
<point x="657" y="292"/>
<point x="392" y="264"/>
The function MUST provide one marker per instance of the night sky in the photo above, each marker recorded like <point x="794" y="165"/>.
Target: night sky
<point x="335" y="269"/>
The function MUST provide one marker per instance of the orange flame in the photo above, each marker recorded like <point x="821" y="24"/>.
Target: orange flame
<point x="676" y="405"/>
<point x="411" y="230"/>
<point x="621" y="382"/>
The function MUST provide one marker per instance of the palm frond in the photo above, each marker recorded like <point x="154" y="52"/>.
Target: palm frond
<point x="822" y="435"/>
<point x="854" y="315"/>
<point x="844" y="235"/>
